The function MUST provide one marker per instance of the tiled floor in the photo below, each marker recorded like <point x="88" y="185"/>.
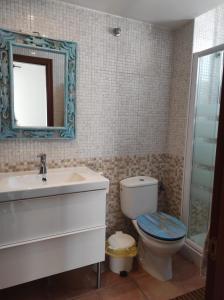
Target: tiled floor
<point x="80" y="285"/>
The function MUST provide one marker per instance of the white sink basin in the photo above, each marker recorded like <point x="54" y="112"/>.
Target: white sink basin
<point x="24" y="181"/>
<point x="29" y="184"/>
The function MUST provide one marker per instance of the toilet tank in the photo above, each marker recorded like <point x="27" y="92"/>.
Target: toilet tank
<point x="138" y="195"/>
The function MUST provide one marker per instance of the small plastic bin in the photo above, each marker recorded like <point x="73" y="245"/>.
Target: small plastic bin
<point x="121" y="249"/>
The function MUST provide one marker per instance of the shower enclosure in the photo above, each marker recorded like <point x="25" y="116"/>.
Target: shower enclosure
<point x="201" y="143"/>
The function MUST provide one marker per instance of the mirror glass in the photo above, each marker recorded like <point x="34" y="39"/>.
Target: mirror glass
<point x="38" y="87"/>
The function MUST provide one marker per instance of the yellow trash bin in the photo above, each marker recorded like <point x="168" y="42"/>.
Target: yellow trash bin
<point x="121" y="249"/>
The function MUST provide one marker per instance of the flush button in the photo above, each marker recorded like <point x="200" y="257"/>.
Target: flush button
<point x="141" y="179"/>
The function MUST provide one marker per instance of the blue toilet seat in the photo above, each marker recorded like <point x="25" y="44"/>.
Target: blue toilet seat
<point x="162" y="226"/>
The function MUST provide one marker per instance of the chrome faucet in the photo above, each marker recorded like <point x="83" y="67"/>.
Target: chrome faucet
<point x="43" y="163"/>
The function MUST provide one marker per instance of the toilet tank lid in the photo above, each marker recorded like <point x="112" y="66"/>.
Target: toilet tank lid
<point x="138" y="181"/>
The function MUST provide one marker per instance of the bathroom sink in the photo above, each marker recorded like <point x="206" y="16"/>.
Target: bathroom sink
<point x="30" y="184"/>
<point x="32" y="180"/>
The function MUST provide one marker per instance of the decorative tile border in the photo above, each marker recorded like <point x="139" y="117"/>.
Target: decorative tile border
<point x="165" y="168"/>
<point x="173" y="181"/>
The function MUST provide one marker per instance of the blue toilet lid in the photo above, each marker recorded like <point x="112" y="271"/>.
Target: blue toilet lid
<point x="162" y="226"/>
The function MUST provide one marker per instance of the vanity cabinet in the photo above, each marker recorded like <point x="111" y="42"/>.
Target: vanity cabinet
<point x="43" y="236"/>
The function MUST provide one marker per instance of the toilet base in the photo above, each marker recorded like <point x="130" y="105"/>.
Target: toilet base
<point x="159" y="267"/>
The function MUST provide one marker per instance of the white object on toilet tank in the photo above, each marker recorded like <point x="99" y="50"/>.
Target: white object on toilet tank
<point x="139" y="195"/>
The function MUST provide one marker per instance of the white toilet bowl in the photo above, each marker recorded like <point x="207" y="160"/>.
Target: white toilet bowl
<point x="155" y="255"/>
<point x="160" y="235"/>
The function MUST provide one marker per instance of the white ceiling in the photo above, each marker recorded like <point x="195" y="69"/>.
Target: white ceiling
<point x="171" y="13"/>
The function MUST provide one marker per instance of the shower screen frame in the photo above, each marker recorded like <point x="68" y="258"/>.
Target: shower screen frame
<point x="185" y="209"/>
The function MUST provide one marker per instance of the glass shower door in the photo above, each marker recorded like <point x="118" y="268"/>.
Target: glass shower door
<point x="206" y="116"/>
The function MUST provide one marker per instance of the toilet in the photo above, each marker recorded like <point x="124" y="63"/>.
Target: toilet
<point x="160" y="235"/>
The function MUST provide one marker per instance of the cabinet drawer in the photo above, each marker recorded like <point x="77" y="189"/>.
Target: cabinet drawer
<point x="28" y="262"/>
<point x="35" y="218"/>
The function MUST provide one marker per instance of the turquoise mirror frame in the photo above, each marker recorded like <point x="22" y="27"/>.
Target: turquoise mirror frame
<point x="8" y="130"/>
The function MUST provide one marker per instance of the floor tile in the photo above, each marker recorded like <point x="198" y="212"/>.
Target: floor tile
<point x="137" y="272"/>
<point x="127" y="291"/>
<point x="157" y="290"/>
<point x="109" y="279"/>
<point x="75" y="283"/>
<point x="185" y="278"/>
<point x="34" y="291"/>
<point x="89" y="296"/>
<point x="186" y="275"/>
<point x="80" y="284"/>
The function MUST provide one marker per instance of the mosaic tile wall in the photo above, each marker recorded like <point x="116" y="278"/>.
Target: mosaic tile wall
<point x="173" y="179"/>
<point x="178" y="114"/>
<point x="123" y="83"/>
<point x="166" y="168"/>
<point x="123" y="99"/>
<point x="114" y="169"/>
<point x="208" y="30"/>
<point x="180" y="89"/>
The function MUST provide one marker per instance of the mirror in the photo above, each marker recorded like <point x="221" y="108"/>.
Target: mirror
<point x="37" y="87"/>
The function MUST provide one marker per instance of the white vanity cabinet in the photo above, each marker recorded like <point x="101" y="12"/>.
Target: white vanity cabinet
<point x="42" y="236"/>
